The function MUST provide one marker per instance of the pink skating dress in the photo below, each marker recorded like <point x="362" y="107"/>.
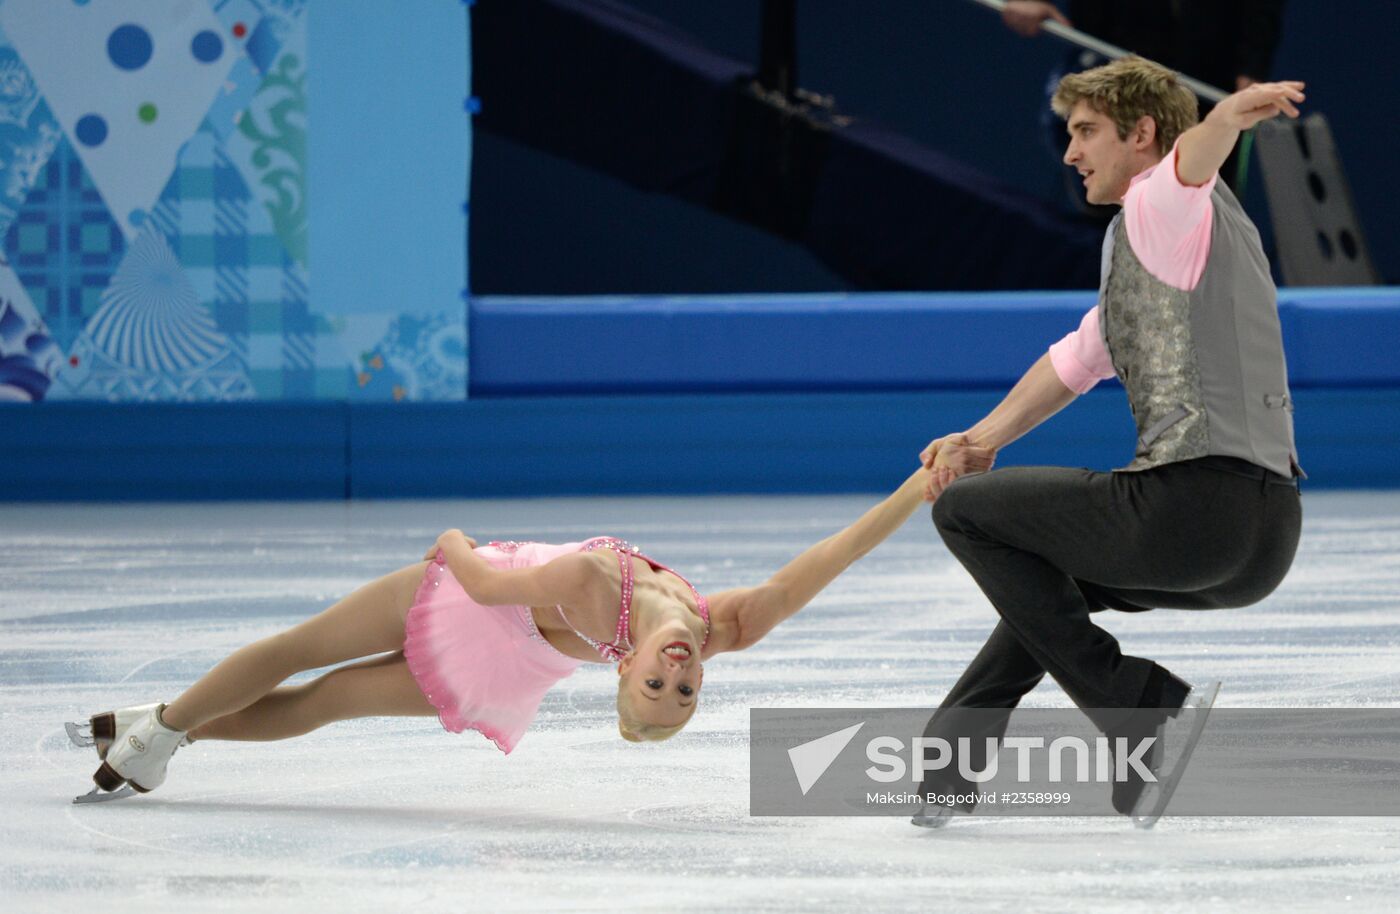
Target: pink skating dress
<point x="487" y="668"/>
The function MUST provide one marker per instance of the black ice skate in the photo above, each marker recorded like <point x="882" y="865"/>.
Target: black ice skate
<point x="1177" y="737"/>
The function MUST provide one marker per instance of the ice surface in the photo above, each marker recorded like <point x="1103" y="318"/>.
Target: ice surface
<point x="104" y="606"/>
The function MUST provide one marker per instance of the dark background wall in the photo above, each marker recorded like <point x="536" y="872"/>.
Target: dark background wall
<point x="946" y="73"/>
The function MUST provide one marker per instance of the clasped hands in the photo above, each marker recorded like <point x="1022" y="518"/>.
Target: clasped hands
<point x="453" y="537"/>
<point x="950" y="457"/>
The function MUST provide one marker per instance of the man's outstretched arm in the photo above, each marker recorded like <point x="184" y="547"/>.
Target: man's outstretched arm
<point x="1036" y="397"/>
<point x="1202" y="150"/>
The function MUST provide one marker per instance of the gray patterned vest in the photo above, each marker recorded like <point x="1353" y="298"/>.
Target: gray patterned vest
<point x="1204" y="369"/>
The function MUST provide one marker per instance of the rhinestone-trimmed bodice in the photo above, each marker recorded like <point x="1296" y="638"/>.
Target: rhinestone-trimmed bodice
<point x="614" y="650"/>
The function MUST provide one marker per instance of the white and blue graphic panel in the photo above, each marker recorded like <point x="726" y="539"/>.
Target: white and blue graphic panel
<point x="155" y="220"/>
<point x="130" y="83"/>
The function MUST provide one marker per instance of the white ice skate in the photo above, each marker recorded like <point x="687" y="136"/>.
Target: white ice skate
<point x="102" y="729"/>
<point x="139" y="754"/>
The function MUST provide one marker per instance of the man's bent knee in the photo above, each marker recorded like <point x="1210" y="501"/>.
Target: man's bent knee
<point x="956" y="501"/>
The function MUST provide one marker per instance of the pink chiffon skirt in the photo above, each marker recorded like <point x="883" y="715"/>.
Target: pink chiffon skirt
<point x="484" y="668"/>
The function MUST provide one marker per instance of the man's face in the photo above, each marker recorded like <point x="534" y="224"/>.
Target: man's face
<point x="1106" y="162"/>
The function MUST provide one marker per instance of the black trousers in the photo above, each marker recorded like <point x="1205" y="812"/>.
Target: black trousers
<point x="1049" y="546"/>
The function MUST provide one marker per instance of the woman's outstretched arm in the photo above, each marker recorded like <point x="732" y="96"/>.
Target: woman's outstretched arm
<point x="741" y="618"/>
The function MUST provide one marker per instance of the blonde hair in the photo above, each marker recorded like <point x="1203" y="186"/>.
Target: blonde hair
<point x="1128" y="89"/>
<point x="637" y="731"/>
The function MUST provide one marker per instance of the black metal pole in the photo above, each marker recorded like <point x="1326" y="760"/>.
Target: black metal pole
<point x="777" y="55"/>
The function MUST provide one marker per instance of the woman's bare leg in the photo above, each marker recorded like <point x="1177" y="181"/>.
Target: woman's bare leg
<point x="369" y="621"/>
<point x="378" y="687"/>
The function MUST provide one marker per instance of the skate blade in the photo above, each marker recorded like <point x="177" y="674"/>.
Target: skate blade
<point x="1165" y="790"/>
<point x="933" y="818"/>
<point x="80" y="735"/>
<point x="98" y="795"/>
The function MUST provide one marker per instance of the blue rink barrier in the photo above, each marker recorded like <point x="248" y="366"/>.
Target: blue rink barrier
<point x="86" y="451"/>
<point x="682" y="396"/>
<point x="538" y="446"/>
<point x="1343" y="337"/>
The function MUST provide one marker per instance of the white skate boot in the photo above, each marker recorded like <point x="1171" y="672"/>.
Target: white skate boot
<point x="139" y="754"/>
<point x="103" y="728"/>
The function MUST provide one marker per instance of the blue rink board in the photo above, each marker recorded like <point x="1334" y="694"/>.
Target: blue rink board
<point x="696" y="395"/>
<point x="828" y="442"/>
<point x="915" y="341"/>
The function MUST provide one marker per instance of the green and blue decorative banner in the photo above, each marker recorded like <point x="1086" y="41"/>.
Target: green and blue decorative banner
<point x="154" y="216"/>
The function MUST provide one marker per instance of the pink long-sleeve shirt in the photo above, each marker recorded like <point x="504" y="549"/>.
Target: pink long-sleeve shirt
<point x="1168" y="225"/>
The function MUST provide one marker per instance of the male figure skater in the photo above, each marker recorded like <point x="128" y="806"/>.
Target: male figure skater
<point x="1207" y="515"/>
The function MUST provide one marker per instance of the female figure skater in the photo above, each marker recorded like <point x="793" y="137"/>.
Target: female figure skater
<point x="477" y="635"/>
